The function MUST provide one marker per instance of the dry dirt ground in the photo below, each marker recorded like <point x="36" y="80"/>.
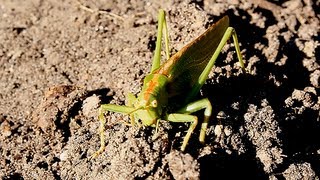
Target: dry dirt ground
<point x="59" y="60"/>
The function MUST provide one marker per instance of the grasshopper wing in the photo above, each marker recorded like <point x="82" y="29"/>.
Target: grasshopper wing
<point x="184" y="68"/>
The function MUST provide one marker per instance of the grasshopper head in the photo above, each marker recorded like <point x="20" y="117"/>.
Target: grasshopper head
<point x="152" y="99"/>
<point x="148" y="111"/>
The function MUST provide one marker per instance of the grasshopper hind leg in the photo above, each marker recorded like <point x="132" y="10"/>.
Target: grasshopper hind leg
<point x="162" y="27"/>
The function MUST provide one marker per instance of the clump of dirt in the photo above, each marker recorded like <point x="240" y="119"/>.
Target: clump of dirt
<point x="59" y="61"/>
<point x="57" y="105"/>
<point x="300" y="171"/>
<point x="263" y="131"/>
<point x="182" y="166"/>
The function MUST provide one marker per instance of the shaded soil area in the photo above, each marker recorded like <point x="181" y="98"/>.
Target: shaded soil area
<point x="59" y="60"/>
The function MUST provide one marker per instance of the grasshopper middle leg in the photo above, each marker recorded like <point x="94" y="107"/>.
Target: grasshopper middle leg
<point x="183" y="115"/>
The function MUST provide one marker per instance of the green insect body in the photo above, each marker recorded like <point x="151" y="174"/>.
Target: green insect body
<point x="176" y="82"/>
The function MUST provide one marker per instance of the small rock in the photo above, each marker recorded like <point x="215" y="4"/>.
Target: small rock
<point x="5" y="129"/>
<point x="90" y="106"/>
<point x="218" y="130"/>
<point x="64" y="156"/>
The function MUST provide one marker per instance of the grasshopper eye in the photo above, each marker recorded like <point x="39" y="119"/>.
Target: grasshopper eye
<point x="154" y="103"/>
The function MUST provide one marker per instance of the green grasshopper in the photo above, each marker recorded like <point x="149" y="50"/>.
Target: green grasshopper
<point x="169" y="89"/>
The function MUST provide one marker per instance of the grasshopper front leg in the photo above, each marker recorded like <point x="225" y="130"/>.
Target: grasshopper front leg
<point x="104" y="108"/>
<point x="131" y="99"/>
<point x="183" y="115"/>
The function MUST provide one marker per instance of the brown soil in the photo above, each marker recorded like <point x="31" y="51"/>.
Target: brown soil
<point x="59" y="61"/>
